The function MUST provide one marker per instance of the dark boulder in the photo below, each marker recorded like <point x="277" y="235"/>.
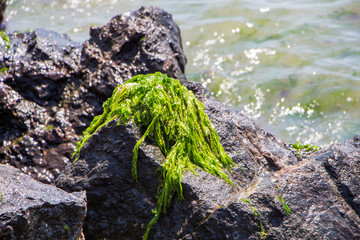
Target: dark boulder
<point x="2" y="11"/>
<point x="50" y="90"/>
<point x="38" y="124"/>
<point x="53" y="87"/>
<point x="118" y="208"/>
<point x="321" y="190"/>
<point x="33" y="210"/>
<point x="139" y="42"/>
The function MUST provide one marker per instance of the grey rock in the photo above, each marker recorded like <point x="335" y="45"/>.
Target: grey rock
<point x="33" y="210"/>
<point x="53" y="87"/>
<point x="322" y="190"/>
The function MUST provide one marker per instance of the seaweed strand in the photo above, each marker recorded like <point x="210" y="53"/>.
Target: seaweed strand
<point x="175" y="120"/>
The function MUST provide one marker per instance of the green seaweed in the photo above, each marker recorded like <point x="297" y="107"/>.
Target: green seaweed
<point x="285" y="206"/>
<point x="173" y="118"/>
<point x="48" y="127"/>
<point x="1" y="198"/>
<point x="3" y="70"/>
<point x="307" y="147"/>
<point x="257" y="217"/>
<point x="66" y="227"/>
<point x="6" y="39"/>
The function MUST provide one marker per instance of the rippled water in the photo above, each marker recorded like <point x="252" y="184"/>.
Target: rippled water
<point x="293" y="66"/>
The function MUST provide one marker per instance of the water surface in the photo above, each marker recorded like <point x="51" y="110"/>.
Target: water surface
<point x="293" y="66"/>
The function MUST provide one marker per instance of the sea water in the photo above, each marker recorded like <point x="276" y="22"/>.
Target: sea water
<point x="292" y="66"/>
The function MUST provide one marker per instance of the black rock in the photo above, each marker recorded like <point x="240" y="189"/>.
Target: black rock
<point x="140" y="42"/>
<point x="124" y="208"/>
<point x="321" y="191"/>
<point x="53" y="87"/>
<point x="2" y="11"/>
<point x="117" y="206"/>
<point x="37" y="127"/>
<point x="33" y="210"/>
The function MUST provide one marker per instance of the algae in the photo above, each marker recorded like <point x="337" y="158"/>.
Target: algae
<point x="257" y="217"/>
<point x="66" y="227"/>
<point x="3" y="70"/>
<point x="307" y="147"/>
<point x="173" y="118"/>
<point x="6" y="39"/>
<point x="285" y="206"/>
<point x="298" y="146"/>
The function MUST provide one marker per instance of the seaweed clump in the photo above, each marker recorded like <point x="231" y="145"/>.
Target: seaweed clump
<point x="173" y="118"/>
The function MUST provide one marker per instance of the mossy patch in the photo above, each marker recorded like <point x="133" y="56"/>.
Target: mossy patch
<point x="285" y="206"/>
<point x="257" y="217"/>
<point x="3" y="70"/>
<point x="304" y="147"/>
<point x="6" y="39"/>
<point x="172" y="117"/>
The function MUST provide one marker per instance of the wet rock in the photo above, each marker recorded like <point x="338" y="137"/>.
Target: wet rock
<point x="36" y="128"/>
<point x="52" y="87"/>
<point x="104" y="169"/>
<point x="139" y="42"/>
<point x="32" y="210"/>
<point x="322" y="191"/>
<point x="2" y="11"/>
<point x="117" y="206"/>
<point x="50" y="90"/>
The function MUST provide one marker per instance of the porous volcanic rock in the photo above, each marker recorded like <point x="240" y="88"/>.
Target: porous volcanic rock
<point x="39" y="112"/>
<point x="33" y="210"/>
<point x="53" y="87"/>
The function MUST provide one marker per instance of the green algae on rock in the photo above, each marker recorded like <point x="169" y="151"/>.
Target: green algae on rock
<point x="173" y="118"/>
<point x="5" y="39"/>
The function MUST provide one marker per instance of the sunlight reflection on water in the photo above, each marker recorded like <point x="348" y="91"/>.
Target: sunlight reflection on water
<point x="293" y="66"/>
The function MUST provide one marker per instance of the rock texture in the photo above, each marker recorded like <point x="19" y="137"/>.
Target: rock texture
<point x="117" y="207"/>
<point x="2" y="11"/>
<point x="140" y="42"/>
<point x="53" y="87"/>
<point x="38" y="124"/>
<point x="50" y="90"/>
<point x="322" y="190"/>
<point x="32" y="210"/>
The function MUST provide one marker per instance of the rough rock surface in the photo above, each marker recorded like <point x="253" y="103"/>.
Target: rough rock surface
<point x="37" y="128"/>
<point x="2" y="11"/>
<point x="117" y="206"/>
<point x="53" y="87"/>
<point x="140" y="42"/>
<point x="322" y="190"/>
<point x="33" y="210"/>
